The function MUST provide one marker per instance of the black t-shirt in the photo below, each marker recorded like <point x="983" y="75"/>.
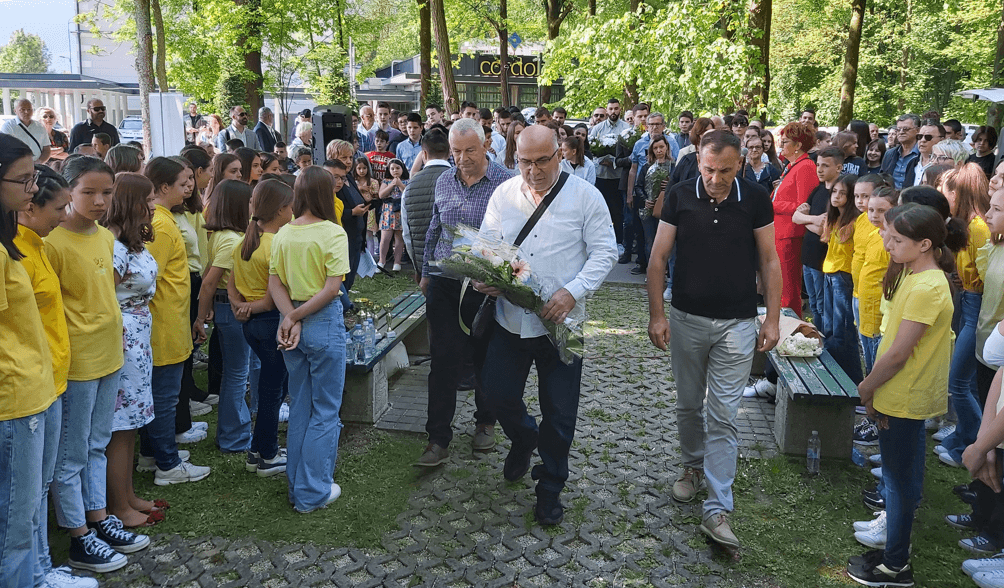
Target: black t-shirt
<point x="716" y="252"/>
<point x="986" y="162"/>
<point x="813" y="250"/>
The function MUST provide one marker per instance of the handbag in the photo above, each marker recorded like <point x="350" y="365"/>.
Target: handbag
<point x="485" y="317"/>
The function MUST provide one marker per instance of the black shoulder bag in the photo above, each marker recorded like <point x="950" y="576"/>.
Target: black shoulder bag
<point x="485" y="317"/>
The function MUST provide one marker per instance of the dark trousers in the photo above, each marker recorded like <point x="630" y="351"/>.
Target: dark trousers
<point x="635" y="233"/>
<point x="215" y="371"/>
<point x="988" y="510"/>
<point x="615" y="204"/>
<point x="506" y="369"/>
<point x="189" y="389"/>
<point x="260" y="332"/>
<point x="451" y="350"/>
<point x="984" y="379"/>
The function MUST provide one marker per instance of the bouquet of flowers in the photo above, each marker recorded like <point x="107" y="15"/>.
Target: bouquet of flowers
<point x="798" y="345"/>
<point x="657" y="174"/>
<point x="499" y="265"/>
<point x="630" y="136"/>
<point x="603" y="146"/>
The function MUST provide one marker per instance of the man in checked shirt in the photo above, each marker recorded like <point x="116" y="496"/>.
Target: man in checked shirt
<point x="462" y="195"/>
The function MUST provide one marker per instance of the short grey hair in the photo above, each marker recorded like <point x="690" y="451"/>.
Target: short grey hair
<point x="954" y="149"/>
<point x="304" y="126"/>
<point x="464" y="126"/>
<point x="910" y="117"/>
<point x="263" y="112"/>
<point x="656" y="115"/>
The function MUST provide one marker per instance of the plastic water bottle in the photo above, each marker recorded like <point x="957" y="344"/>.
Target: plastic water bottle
<point x="858" y="458"/>
<point x="370" y="339"/>
<point x="359" y="343"/>
<point x="350" y="349"/>
<point x="812" y="454"/>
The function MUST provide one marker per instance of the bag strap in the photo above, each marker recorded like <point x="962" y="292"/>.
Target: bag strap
<point x="541" y="208"/>
<point x="27" y="132"/>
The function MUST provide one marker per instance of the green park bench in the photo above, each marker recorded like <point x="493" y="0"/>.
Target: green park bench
<point x="365" y="398"/>
<point x="813" y="394"/>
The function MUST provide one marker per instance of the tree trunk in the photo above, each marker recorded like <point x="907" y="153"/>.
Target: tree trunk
<point x="503" y="30"/>
<point x="904" y="70"/>
<point x="631" y="88"/>
<point x="850" y="80"/>
<point x="444" y="57"/>
<point x="424" y="48"/>
<point x="158" y="21"/>
<point x="252" y="56"/>
<point x="556" y="12"/>
<point x="996" y="111"/>
<point x="340" y="10"/>
<point x="760" y="20"/>
<point x="592" y="8"/>
<point x="144" y="65"/>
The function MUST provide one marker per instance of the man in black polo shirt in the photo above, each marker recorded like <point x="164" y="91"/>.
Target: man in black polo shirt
<point x="723" y="230"/>
<point x="83" y="132"/>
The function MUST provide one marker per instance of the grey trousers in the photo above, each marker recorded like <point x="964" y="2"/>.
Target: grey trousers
<point x="711" y="359"/>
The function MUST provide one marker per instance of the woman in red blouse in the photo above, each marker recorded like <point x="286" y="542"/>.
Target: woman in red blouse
<point x="797" y="183"/>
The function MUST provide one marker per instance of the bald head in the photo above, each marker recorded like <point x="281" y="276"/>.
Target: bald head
<point x="536" y="136"/>
<point x="536" y="156"/>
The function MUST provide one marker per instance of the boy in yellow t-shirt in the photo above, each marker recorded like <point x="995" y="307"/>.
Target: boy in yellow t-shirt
<point x="875" y="262"/>
<point x="910" y="378"/>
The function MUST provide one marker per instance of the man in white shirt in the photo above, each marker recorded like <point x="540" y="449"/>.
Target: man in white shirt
<point x="30" y="132"/>
<point x="573" y="245"/>
<point x="613" y="124"/>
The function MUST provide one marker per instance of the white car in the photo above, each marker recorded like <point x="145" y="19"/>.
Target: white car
<point x="131" y="129"/>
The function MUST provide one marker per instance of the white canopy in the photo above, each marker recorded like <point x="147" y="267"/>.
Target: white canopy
<point x="988" y="94"/>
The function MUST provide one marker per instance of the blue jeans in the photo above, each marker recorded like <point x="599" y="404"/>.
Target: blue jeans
<point x="506" y="369"/>
<point x="814" y="288"/>
<point x="260" y="332"/>
<point x="22" y="445"/>
<point x="233" y="430"/>
<point x="80" y="474"/>
<point x="316" y="382"/>
<point x="962" y="378"/>
<point x="254" y="373"/>
<point x="53" y="417"/>
<point x="157" y="437"/>
<point x="869" y="348"/>
<point x="903" y="451"/>
<point x="842" y="339"/>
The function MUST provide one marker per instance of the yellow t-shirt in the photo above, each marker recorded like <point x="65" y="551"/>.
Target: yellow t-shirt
<point x="171" y="335"/>
<point x="863" y="230"/>
<point x="304" y="256"/>
<point x="920" y="390"/>
<point x="965" y="260"/>
<point x="339" y="208"/>
<point x="874" y="264"/>
<point x="26" y="382"/>
<point x="189" y="225"/>
<point x="85" y="265"/>
<point x="221" y="253"/>
<point x="49" y="299"/>
<point x="251" y="277"/>
<point x="838" y="255"/>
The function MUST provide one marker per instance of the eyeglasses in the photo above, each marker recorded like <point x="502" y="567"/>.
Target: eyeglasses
<point x="905" y="129"/>
<point x="48" y="116"/>
<point x="943" y="158"/>
<point x="98" y="108"/>
<point x="539" y="163"/>
<point x="755" y="148"/>
<point x="27" y="183"/>
<point x="599" y="115"/>
<point x="929" y="137"/>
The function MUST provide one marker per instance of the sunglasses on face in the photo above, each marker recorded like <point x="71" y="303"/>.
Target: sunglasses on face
<point x="98" y="108"/>
<point x="904" y="129"/>
<point x="928" y="137"/>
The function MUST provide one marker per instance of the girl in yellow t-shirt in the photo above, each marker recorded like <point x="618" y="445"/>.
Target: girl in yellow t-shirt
<point x="228" y="216"/>
<point x="875" y="262"/>
<point x="309" y="257"/>
<point x="909" y="381"/>
<point x="839" y="331"/>
<point x="272" y="208"/>
<point x="82" y="255"/>
<point x="27" y="393"/>
<point x="966" y="191"/>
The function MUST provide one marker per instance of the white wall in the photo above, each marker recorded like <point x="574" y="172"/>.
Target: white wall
<point x="114" y="61"/>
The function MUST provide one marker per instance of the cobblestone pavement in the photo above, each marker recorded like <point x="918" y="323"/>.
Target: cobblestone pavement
<point x="465" y="526"/>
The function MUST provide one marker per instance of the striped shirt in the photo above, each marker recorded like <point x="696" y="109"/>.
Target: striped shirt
<point x="456" y="203"/>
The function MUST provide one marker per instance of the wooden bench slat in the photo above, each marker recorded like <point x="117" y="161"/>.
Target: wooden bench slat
<point x="822" y="383"/>
<point x="406" y="313"/>
<point x="850" y="389"/>
<point x="787" y="373"/>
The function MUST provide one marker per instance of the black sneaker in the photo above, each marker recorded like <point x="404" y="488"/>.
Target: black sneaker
<point x="867" y="559"/>
<point x="90" y="553"/>
<point x="965" y="493"/>
<point x="867" y="434"/>
<point x="548" y="511"/>
<point x="517" y="463"/>
<point x="961" y="521"/>
<point x="638" y="270"/>
<point x="873" y="500"/>
<point x="117" y="537"/>
<point x="881" y="575"/>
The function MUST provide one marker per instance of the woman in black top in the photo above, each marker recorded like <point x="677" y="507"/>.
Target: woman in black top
<point x="984" y="141"/>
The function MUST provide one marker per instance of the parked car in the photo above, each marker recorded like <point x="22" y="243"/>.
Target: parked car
<point x="131" y="129"/>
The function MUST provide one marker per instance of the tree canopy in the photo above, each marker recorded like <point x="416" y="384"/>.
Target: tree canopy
<point x="24" y="53"/>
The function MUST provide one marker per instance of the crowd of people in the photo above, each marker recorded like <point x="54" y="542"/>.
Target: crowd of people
<point x="114" y="266"/>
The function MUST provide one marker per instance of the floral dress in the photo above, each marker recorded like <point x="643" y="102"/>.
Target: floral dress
<point x="134" y="406"/>
<point x="368" y="188"/>
<point x="390" y="211"/>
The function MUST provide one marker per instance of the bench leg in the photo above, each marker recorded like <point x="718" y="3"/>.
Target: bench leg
<point x="796" y="419"/>
<point x="365" y="398"/>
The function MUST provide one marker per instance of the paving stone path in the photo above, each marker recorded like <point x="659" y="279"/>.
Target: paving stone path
<point x="466" y="526"/>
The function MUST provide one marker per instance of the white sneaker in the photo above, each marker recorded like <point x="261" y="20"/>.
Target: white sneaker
<point x="149" y="464"/>
<point x="199" y="408"/>
<point x="946" y="458"/>
<point x="877" y="472"/>
<point x="987" y="564"/>
<point x="990" y="579"/>
<point x="943" y="432"/>
<point x="213" y="399"/>
<point x="184" y="472"/>
<point x="336" y="491"/>
<point x="939" y="449"/>
<point x="761" y="388"/>
<point x="284" y="412"/>
<point x="397" y="267"/>
<point x="620" y="250"/>
<point x="200" y="426"/>
<point x="860" y="526"/>
<point x="932" y="424"/>
<point x="876" y="459"/>
<point x="62" y="578"/>
<point x="874" y="537"/>
<point x="192" y="435"/>
<point x="667" y="294"/>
